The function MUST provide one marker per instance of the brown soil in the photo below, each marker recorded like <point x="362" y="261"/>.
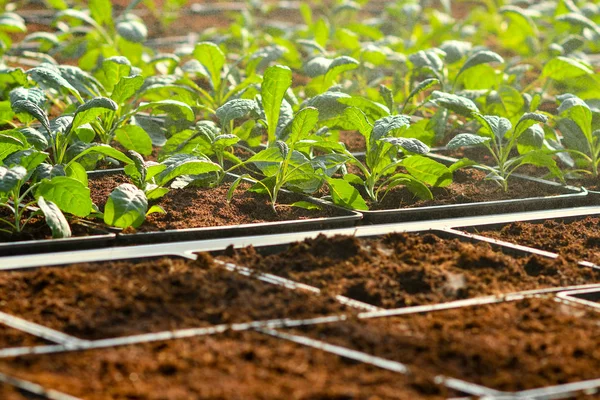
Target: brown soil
<point x="469" y="186"/>
<point x="353" y="140"/>
<point x="10" y="337"/>
<point x="512" y="346"/>
<point x="409" y="269"/>
<point x="194" y="207"/>
<point x="244" y="365"/>
<point x="8" y="392"/>
<point x="110" y="299"/>
<point x="576" y="241"/>
<point x="37" y="229"/>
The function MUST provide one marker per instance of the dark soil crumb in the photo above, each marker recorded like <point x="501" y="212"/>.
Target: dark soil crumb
<point x="511" y="346"/>
<point x="194" y="207"/>
<point x="576" y="241"/>
<point x="109" y="299"/>
<point x="243" y="365"/>
<point x="409" y="269"/>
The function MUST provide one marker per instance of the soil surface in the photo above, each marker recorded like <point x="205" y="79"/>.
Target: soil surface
<point x="102" y="300"/>
<point x="510" y="346"/>
<point x="10" y="337"/>
<point x="37" y="229"/>
<point x="194" y="207"/>
<point x="353" y="140"/>
<point x="469" y="186"/>
<point x="409" y="269"/>
<point x="245" y="365"/>
<point x="578" y="240"/>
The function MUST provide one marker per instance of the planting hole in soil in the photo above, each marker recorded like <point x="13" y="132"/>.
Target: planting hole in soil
<point x="403" y="270"/>
<point x="513" y="346"/>
<point x="103" y="300"/>
<point x="243" y="365"/>
<point x="575" y="239"/>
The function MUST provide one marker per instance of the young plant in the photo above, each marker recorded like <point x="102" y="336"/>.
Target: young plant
<point x="501" y="139"/>
<point x="580" y="129"/>
<point x="386" y="151"/>
<point x="12" y="181"/>
<point x="127" y="205"/>
<point x="282" y="165"/>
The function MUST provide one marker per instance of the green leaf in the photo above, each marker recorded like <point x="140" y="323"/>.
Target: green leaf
<point x="481" y="57"/>
<point x="101" y="11"/>
<point x="346" y="195"/>
<point x="234" y="109"/>
<point x="132" y="137"/>
<point x="579" y="112"/>
<point x="356" y="119"/>
<point x="304" y="122"/>
<point x="126" y="87"/>
<point x="113" y="70"/>
<point x="573" y="136"/>
<point x="132" y="31"/>
<point x="459" y="104"/>
<point x="82" y="81"/>
<point x="531" y="139"/>
<point x="54" y="219"/>
<point x="427" y="59"/>
<point x="414" y="185"/>
<point x="212" y="58"/>
<point x="175" y="109"/>
<point x="328" y="104"/>
<point x="13" y="23"/>
<point x="494" y="125"/>
<point x="34" y="95"/>
<point x="422" y="86"/>
<point x="386" y="125"/>
<point x="70" y="195"/>
<point x="428" y="170"/>
<point x="126" y="206"/>
<point x="156" y="209"/>
<point x="540" y="158"/>
<point x="563" y="68"/>
<point x="276" y="81"/>
<point x="76" y="171"/>
<point x="28" y="159"/>
<point x="184" y="164"/>
<point x="462" y="163"/>
<point x="92" y="109"/>
<point x="466" y="139"/>
<point x="235" y="185"/>
<point x="340" y="65"/>
<point x="26" y="106"/>
<point x="409" y="144"/>
<point x="353" y="179"/>
<point x="528" y="120"/>
<point x="52" y="79"/>
<point x="10" y="177"/>
<point x="307" y="205"/>
<point x="106" y="150"/>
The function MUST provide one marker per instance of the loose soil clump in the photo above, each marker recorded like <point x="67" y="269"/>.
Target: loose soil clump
<point x="244" y="365"/>
<point x="578" y="240"/>
<point x="511" y="346"/>
<point x="109" y="299"/>
<point x="408" y="269"/>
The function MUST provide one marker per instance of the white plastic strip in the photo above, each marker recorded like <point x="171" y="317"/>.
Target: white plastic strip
<point x="35" y="388"/>
<point x="38" y="330"/>
<point x="287" y="283"/>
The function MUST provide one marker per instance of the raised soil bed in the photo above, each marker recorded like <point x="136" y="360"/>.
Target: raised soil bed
<point x="575" y="239"/>
<point x="403" y="270"/>
<point x="103" y="300"/>
<point x="509" y="346"/>
<point x="245" y="365"/>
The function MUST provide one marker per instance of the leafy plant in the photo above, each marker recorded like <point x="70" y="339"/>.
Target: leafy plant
<point x="128" y="204"/>
<point x="580" y="129"/>
<point x="501" y="139"/>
